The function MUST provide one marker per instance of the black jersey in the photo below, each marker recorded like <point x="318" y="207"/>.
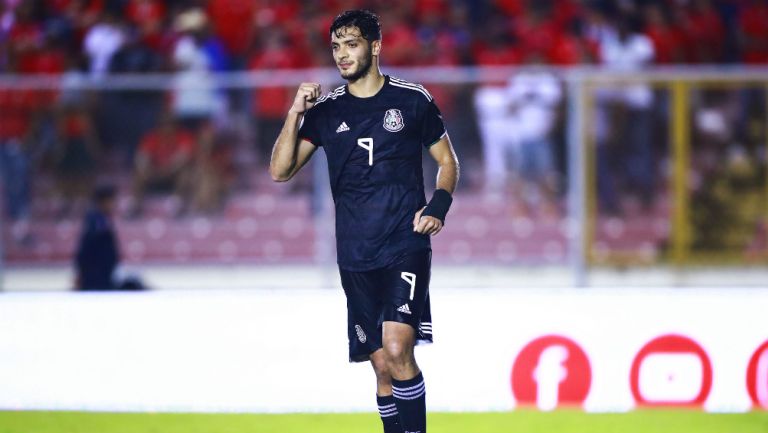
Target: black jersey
<point x="374" y="153"/>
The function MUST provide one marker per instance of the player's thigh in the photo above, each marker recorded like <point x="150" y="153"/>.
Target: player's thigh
<point x="363" y="313"/>
<point x="363" y="295"/>
<point x="407" y="287"/>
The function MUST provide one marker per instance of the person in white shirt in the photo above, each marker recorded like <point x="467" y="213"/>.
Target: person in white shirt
<point x="101" y="42"/>
<point x="195" y="99"/>
<point x="534" y="95"/>
<point x="494" y="121"/>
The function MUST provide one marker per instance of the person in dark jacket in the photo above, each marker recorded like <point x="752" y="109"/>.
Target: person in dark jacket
<point x="97" y="253"/>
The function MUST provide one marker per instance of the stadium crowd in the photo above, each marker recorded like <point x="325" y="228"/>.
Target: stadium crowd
<point x="183" y="139"/>
<point x="40" y="36"/>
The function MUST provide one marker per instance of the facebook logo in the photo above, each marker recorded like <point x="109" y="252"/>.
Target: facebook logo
<point x="548" y="374"/>
<point x="550" y="371"/>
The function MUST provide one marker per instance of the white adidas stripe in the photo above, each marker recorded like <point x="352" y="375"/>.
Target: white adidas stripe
<point x="333" y="95"/>
<point x="408" y="85"/>
<point x="330" y="96"/>
<point x="409" y="388"/>
<point x="426" y="95"/>
<point x="410" y="396"/>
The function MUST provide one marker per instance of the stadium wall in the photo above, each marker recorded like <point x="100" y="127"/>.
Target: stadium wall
<point x="285" y="351"/>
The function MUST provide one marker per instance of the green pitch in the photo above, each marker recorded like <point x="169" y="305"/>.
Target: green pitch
<point x="522" y="421"/>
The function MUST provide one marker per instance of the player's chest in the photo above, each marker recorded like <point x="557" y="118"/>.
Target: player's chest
<point x="387" y="126"/>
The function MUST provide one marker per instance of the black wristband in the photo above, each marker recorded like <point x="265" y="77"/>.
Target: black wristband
<point x="439" y="205"/>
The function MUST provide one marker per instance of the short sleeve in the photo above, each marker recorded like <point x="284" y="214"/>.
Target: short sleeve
<point x="433" y="128"/>
<point x="309" y="129"/>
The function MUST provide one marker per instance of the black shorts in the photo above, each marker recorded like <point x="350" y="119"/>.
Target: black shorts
<point x="396" y="293"/>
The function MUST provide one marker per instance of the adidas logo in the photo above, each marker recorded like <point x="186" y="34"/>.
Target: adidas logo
<point x="404" y="309"/>
<point x="343" y="127"/>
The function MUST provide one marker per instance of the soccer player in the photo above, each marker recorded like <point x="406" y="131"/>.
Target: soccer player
<point x="372" y="130"/>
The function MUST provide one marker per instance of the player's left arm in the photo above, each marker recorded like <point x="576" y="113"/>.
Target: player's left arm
<point x="431" y="218"/>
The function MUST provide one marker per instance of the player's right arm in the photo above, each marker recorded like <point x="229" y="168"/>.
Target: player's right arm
<point x="290" y="153"/>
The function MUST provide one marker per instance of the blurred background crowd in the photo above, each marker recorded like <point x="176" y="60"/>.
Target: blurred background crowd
<point x="204" y="150"/>
<point x="104" y="36"/>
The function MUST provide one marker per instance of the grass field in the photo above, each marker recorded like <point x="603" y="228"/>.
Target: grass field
<point x="521" y="421"/>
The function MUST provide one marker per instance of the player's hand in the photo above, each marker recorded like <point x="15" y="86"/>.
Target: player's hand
<point x="306" y="97"/>
<point x="426" y="225"/>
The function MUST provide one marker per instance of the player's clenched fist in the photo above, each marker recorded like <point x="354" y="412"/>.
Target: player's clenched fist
<point x="426" y="225"/>
<point x="306" y="97"/>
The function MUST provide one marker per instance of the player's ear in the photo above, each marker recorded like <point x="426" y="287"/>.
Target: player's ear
<point x="376" y="47"/>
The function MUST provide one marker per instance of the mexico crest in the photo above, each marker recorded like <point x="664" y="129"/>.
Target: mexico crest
<point x="393" y="120"/>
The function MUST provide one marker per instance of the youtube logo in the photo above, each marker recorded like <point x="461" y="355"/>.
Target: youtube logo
<point x="551" y="371"/>
<point x="671" y="370"/>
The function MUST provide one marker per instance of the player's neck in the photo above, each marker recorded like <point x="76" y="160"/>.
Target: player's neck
<point x="368" y="85"/>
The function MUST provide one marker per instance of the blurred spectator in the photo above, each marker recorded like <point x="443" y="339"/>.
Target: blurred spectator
<point x="516" y="126"/>
<point x="536" y="30"/>
<point x="102" y="41"/>
<point x="270" y="103"/>
<point x="25" y="36"/>
<point x="135" y="56"/>
<point x="147" y="16"/>
<point x="212" y="171"/>
<point x="195" y="99"/>
<point x="75" y="157"/>
<point x="17" y="107"/>
<point x="73" y="80"/>
<point x="571" y="49"/>
<point x="494" y="46"/>
<point x="753" y="36"/>
<point x="129" y="114"/>
<point x="401" y="34"/>
<point x="97" y="259"/>
<point x="669" y="44"/>
<point x="441" y="43"/>
<point x="535" y="95"/>
<point x="233" y="21"/>
<point x="6" y="21"/>
<point x="494" y="121"/>
<point x="705" y="28"/>
<point x="97" y="253"/>
<point x="624" y="120"/>
<point x="163" y="163"/>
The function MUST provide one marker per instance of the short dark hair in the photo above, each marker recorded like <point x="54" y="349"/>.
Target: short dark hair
<point x="365" y="20"/>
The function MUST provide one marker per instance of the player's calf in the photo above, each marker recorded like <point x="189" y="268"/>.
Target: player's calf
<point x="408" y="388"/>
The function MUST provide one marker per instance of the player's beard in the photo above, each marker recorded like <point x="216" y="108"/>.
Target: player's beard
<point x="364" y="65"/>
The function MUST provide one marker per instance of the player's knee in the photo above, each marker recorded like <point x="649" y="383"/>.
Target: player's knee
<point x="398" y="353"/>
<point x="380" y="367"/>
